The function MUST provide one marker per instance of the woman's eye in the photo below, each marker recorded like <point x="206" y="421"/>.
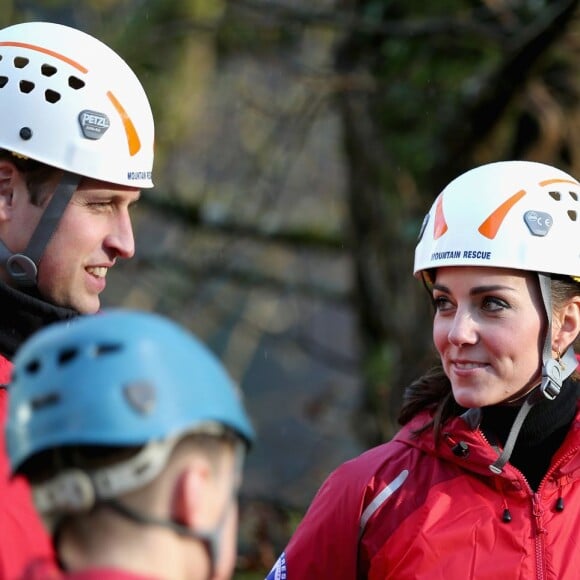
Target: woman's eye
<point x="493" y="304"/>
<point x="441" y="302"/>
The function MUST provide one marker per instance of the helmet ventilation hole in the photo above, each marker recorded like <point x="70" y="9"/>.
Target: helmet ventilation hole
<point x="75" y="83"/>
<point x="47" y="400"/>
<point x="26" y="86"/>
<point x="48" y="70"/>
<point x="33" y="367"/>
<point x="20" y="62"/>
<point x="67" y="355"/>
<point x="3" y="81"/>
<point x="555" y="195"/>
<point x="573" y="195"/>
<point x="107" y="349"/>
<point x="52" y="96"/>
<point x="573" y="215"/>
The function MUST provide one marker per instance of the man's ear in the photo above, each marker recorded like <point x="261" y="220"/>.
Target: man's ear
<point x="8" y="176"/>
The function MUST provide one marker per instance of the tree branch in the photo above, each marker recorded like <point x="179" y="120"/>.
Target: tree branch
<point x="479" y="117"/>
<point x="192" y="216"/>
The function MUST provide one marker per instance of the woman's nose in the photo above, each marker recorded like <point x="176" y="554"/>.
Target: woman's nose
<point x="463" y="329"/>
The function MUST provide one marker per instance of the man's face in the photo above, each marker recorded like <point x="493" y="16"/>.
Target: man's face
<point x="93" y="232"/>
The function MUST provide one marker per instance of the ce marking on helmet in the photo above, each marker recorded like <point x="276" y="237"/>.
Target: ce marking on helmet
<point x="538" y="222"/>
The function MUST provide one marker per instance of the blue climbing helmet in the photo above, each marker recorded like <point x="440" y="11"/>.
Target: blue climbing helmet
<point x="118" y="378"/>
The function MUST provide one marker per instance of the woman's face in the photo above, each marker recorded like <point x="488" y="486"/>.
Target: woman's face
<point x="488" y="329"/>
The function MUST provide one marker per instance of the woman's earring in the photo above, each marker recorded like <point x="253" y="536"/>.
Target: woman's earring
<point x="558" y="359"/>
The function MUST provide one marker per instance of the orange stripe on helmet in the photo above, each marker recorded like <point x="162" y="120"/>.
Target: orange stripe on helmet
<point x="133" y="140"/>
<point x="440" y="226"/>
<point x="551" y="181"/>
<point x="56" y="55"/>
<point x="491" y="225"/>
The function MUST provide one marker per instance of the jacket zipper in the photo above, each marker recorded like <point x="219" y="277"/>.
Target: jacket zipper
<point x="537" y="508"/>
<point x="538" y="536"/>
<point x="537" y="513"/>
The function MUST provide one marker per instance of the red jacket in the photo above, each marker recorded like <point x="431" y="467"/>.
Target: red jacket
<point x="22" y="535"/>
<point x="407" y="510"/>
<point x="49" y="571"/>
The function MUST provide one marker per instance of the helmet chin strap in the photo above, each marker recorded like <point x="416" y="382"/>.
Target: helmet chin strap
<point x="76" y="491"/>
<point x="554" y="373"/>
<point x="23" y="267"/>
<point x="211" y="539"/>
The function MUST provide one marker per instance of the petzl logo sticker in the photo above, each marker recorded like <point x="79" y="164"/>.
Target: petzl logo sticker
<point x="93" y="124"/>
<point x="538" y="222"/>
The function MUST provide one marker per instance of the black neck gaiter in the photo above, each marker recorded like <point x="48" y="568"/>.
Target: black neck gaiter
<point x="22" y="315"/>
<point x="542" y="433"/>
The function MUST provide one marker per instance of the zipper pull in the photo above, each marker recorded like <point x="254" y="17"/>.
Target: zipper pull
<point x="537" y="513"/>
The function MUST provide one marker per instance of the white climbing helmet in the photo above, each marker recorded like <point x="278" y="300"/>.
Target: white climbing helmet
<point x="70" y="101"/>
<point x="512" y="214"/>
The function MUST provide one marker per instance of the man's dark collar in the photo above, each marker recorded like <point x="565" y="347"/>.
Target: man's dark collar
<point x="22" y="315"/>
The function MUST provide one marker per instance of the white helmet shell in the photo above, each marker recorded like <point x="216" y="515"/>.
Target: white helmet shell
<point x="509" y="214"/>
<point x="70" y="101"/>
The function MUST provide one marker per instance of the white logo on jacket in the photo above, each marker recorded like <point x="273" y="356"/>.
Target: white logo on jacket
<point x="278" y="572"/>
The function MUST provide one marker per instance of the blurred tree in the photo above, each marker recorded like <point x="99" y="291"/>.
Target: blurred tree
<point x="424" y="92"/>
<point x="299" y="146"/>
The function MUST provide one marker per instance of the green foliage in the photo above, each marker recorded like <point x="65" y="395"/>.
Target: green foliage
<point x="420" y="87"/>
<point x="254" y="32"/>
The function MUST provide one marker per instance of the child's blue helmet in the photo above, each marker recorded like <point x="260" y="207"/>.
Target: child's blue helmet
<point x="118" y="378"/>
